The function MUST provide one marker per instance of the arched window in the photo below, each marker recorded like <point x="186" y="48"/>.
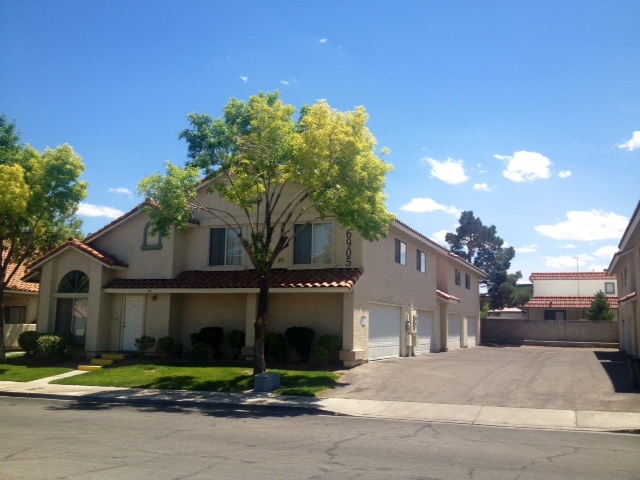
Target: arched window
<point x="71" y="305"/>
<point x="149" y="241"/>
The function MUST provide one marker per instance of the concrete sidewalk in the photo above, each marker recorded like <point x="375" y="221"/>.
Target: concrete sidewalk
<point x="397" y="410"/>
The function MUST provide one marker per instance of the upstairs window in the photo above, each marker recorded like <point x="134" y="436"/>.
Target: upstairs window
<point x="467" y="281"/>
<point x="312" y="243"/>
<point x="421" y="261"/>
<point x="401" y="252"/>
<point x="225" y="247"/>
<point x="458" y="277"/>
<point x="150" y="241"/>
<point x="609" y="288"/>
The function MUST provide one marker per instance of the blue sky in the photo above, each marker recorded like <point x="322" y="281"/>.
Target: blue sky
<point x="526" y="113"/>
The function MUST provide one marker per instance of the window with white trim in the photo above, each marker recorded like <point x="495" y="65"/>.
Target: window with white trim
<point x="421" y="261"/>
<point x="225" y="247"/>
<point x="312" y="243"/>
<point x="458" y="277"/>
<point x="609" y="288"/>
<point x="467" y="281"/>
<point x="401" y="252"/>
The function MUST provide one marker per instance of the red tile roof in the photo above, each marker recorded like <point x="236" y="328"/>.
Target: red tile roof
<point x="626" y="298"/>
<point x="445" y="296"/>
<point x="280" y="278"/>
<point x="17" y="285"/>
<point x="570" y="276"/>
<point x="566" y="302"/>
<point x="102" y="257"/>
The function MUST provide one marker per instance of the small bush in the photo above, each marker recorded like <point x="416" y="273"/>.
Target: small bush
<point x="331" y="343"/>
<point x="300" y="338"/>
<point x="319" y="354"/>
<point x="166" y="344"/>
<point x="144" y="344"/>
<point x="53" y="346"/>
<point x="201" y="351"/>
<point x="236" y="339"/>
<point x="28" y="341"/>
<point x="211" y="336"/>
<point x="195" y="338"/>
<point x="276" y="346"/>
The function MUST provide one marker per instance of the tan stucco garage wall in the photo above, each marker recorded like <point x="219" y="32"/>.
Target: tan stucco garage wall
<point x="320" y="311"/>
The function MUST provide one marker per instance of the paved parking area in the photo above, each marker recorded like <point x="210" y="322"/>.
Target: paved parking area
<point x="520" y="377"/>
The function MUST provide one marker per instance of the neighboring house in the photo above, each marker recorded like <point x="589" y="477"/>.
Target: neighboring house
<point x="122" y="282"/>
<point x="19" y="307"/>
<point x="507" y="314"/>
<point x="625" y="265"/>
<point x="568" y="295"/>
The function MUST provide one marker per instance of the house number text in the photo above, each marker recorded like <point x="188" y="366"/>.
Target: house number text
<point x="348" y="252"/>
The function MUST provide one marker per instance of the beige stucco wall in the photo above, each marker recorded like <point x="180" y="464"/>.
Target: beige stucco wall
<point x="517" y="331"/>
<point x="559" y="288"/>
<point x="22" y="299"/>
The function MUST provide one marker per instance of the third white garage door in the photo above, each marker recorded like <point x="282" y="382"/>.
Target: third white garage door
<point x="454" y="330"/>
<point x="471" y="331"/>
<point x="384" y="331"/>
<point x="425" y="331"/>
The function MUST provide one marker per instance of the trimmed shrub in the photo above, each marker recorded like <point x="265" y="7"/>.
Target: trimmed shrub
<point x="144" y="344"/>
<point x="330" y="342"/>
<point x="201" y="351"/>
<point x="276" y="346"/>
<point x="211" y="336"/>
<point x="53" y="346"/>
<point x="300" y="338"/>
<point x="236" y="339"/>
<point x="28" y="342"/>
<point x="319" y="354"/>
<point x="166" y="344"/>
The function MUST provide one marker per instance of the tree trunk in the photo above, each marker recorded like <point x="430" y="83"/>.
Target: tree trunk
<point x="3" y="349"/>
<point x="260" y="326"/>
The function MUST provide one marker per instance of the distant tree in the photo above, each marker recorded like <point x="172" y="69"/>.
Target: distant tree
<point x="257" y="152"/>
<point x="40" y="194"/>
<point x="480" y="245"/>
<point x="521" y="296"/>
<point x="600" y="308"/>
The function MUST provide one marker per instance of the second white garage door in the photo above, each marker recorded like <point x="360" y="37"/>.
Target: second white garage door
<point x="425" y="331"/>
<point x="471" y="331"/>
<point x="384" y="331"/>
<point x="454" y="330"/>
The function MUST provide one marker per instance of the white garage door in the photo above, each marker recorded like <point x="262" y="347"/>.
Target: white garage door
<point x="384" y="331"/>
<point x="471" y="331"/>
<point x="453" y="331"/>
<point x="425" y="331"/>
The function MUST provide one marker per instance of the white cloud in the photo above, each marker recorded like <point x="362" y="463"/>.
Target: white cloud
<point x="449" y="171"/>
<point x="423" y="205"/>
<point x="121" y="190"/>
<point x="568" y="245"/>
<point x="324" y="40"/>
<point x="564" y="174"/>
<point x="606" y="252"/>
<point x="245" y="79"/>
<point x="89" y="210"/>
<point x="633" y="143"/>
<point x="482" y="187"/>
<point x="525" y="166"/>
<point x="529" y="249"/>
<point x="586" y="226"/>
<point x="567" y="262"/>
<point x="439" y="237"/>
<point x="284" y="82"/>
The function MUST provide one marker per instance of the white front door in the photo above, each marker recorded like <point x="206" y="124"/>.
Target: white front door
<point x="132" y="321"/>
<point x="425" y="331"/>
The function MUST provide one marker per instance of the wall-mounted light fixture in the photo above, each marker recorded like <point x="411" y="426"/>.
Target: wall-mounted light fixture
<point x="363" y="320"/>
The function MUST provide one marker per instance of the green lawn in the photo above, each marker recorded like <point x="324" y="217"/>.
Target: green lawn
<point x="199" y="377"/>
<point x="23" y="369"/>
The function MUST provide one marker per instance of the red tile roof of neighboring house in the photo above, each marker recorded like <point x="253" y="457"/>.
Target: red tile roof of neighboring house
<point x="566" y="302"/>
<point x="102" y="257"/>
<point x="570" y="276"/>
<point x="447" y="297"/>
<point x="280" y="278"/>
<point x="17" y="285"/>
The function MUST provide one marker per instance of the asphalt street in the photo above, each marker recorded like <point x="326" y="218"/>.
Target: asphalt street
<point x="51" y="439"/>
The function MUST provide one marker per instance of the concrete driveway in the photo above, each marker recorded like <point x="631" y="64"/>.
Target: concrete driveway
<point x="520" y="377"/>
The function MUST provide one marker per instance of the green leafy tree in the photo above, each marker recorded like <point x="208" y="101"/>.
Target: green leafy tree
<point x="276" y="170"/>
<point x="480" y="245"/>
<point x="39" y="197"/>
<point x="600" y="308"/>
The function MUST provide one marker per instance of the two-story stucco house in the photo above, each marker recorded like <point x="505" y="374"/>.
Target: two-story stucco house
<point x="625" y="265"/>
<point x="121" y="282"/>
<point x="568" y="295"/>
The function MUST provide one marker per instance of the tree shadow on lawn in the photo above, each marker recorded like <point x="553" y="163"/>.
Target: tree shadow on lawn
<point x="189" y="382"/>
